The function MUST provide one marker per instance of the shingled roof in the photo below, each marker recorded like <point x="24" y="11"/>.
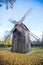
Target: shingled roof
<point x="24" y="26"/>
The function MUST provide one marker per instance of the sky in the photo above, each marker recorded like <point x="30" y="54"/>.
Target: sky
<point x="33" y="21"/>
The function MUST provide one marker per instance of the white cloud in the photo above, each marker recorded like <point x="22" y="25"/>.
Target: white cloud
<point x="1" y="33"/>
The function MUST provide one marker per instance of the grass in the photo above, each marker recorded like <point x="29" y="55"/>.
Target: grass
<point x="3" y="49"/>
<point x="37" y="51"/>
<point x="8" y="58"/>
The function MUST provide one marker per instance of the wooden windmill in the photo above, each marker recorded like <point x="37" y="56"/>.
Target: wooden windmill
<point x="20" y="39"/>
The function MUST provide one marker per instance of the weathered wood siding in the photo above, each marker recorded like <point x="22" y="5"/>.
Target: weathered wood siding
<point x="21" y="41"/>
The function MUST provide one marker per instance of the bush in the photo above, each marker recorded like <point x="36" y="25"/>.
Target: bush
<point x="8" y="58"/>
<point x="4" y="45"/>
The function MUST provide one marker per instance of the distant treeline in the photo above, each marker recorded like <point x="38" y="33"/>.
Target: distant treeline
<point x="37" y="43"/>
<point x="8" y="43"/>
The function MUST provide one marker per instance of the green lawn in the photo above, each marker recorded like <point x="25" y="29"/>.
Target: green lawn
<point x="37" y="51"/>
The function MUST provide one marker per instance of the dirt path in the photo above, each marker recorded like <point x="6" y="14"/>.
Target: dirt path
<point x="31" y="52"/>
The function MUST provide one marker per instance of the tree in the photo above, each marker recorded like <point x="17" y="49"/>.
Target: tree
<point x="8" y="3"/>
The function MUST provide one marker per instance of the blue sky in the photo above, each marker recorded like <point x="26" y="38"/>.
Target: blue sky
<point x="34" y="20"/>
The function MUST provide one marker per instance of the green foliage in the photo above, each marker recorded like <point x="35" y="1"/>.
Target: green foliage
<point x="2" y="45"/>
<point x="7" y="2"/>
<point x="8" y="43"/>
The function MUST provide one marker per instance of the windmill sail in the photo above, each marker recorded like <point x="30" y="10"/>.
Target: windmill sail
<point x="13" y="21"/>
<point x="9" y="34"/>
<point x="23" y="18"/>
